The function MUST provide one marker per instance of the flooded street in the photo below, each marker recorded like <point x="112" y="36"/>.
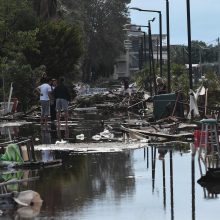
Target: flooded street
<point x="127" y="184"/>
<point x="123" y="186"/>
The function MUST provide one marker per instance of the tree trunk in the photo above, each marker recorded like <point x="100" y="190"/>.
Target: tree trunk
<point x="45" y="8"/>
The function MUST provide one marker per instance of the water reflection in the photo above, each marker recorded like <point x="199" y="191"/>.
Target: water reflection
<point x="45" y="135"/>
<point x="54" y="133"/>
<point x="63" y="132"/>
<point x="84" y="177"/>
<point x="9" y="133"/>
<point x="166" y="154"/>
<point x="193" y="183"/>
<point x="46" y="138"/>
<point x="171" y="185"/>
<point x="28" y="212"/>
<point x="209" y="172"/>
<point x="153" y="161"/>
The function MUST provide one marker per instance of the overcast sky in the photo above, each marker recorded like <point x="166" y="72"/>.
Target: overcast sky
<point x="205" y="19"/>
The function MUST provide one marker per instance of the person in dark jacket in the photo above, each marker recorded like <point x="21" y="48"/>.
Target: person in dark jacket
<point x="53" y="84"/>
<point x="62" y="96"/>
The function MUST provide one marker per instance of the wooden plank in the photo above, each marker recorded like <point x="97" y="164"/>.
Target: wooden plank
<point x="157" y="134"/>
<point x="85" y="109"/>
<point x="14" y="181"/>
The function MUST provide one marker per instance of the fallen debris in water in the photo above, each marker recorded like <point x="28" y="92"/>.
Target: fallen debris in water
<point x="26" y="198"/>
<point x="80" y="137"/>
<point x="61" y="142"/>
<point x="22" y="155"/>
<point x="92" y="147"/>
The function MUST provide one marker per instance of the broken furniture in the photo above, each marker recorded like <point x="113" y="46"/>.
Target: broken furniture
<point x="22" y="155"/>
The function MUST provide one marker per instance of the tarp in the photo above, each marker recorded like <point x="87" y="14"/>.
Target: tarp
<point x="12" y="153"/>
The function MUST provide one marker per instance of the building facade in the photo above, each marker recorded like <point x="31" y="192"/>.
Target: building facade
<point x="136" y="53"/>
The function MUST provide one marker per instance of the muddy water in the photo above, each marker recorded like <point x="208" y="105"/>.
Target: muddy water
<point x="134" y="184"/>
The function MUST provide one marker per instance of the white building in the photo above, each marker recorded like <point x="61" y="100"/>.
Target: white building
<point x="136" y="53"/>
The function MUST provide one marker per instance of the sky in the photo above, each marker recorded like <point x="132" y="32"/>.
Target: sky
<point x="205" y="24"/>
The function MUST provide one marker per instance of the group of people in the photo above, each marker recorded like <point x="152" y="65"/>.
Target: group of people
<point x="54" y="98"/>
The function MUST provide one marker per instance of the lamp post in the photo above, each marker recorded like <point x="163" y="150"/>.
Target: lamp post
<point x="190" y="59"/>
<point x="168" y="46"/>
<point x="189" y="44"/>
<point x="145" y="49"/>
<point x="151" y="53"/>
<point x="139" y="30"/>
<point x="149" y="46"/>
<point x="160" y="31"/>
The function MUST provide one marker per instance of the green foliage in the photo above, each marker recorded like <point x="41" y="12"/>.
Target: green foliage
<point x="23" y="79"/>
<point x="200" y="51"/>
<point x="60" y="48"/>
<point x="212" y="81"/>
<point x="179" y="78"/>
<point x="18" y="30"/>
<point x="178" y="69"/>
<point x="142" y="77"/>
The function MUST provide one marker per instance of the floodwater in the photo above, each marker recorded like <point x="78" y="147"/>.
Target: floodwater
<point x="148" y="183"/>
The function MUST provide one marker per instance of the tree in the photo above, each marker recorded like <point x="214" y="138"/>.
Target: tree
<point x="60" y="48"/>
<point x="102" y="23"/>
<point x="45" y="8"/>
<point x="105" y="36"/>
<point x="200" y="50"/>
<point x="18" y="30"/>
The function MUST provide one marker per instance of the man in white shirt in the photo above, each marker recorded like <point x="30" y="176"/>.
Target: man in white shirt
<point x="44" y="91"/>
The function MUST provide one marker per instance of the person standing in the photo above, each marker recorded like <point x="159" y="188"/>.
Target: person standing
<point x="44" y="91"/>
<point x="161" y="87"/>
<point x="62" y="96"/>
<point x="53" y="85"/>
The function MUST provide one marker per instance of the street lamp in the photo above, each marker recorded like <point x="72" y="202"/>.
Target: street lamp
<point x="151" y="53"/>
<point x="189" y="44"/>
<point x="145" y="50"/>
<point x="139" y="30"/>
<point x="160" y="31"/>
<point x="168" y="46"/>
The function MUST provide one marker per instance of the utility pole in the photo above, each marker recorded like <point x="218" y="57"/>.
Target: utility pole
<point x="189" y="44"/>
<point x="152" y="56"/>
<point x="218" y="58"/>
<point x="200" y="61"/>
<point x="160" y="30"/>
<point x="168" y="47"/>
